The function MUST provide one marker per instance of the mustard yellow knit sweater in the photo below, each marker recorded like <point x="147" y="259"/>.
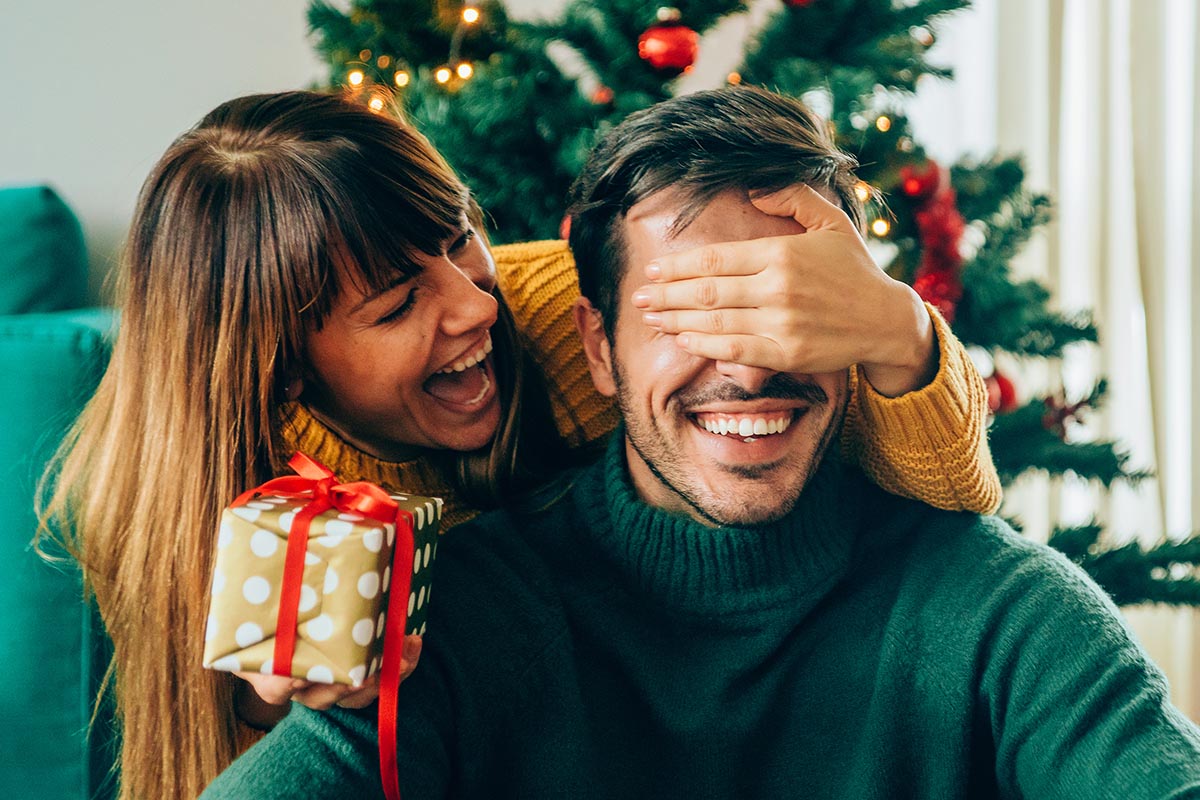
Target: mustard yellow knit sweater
<point x="930" y="444"/>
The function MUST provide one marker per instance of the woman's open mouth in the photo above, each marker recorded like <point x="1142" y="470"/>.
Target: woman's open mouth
<point x="466" y="384"/>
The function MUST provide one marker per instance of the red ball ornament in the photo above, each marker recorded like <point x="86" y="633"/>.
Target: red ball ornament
<point x="799" y="3"/>
<point x="942" y="289"/>
<point x="669" y="46"/>
<point x="602" y="96"/>
<point x="1002" y="395"/>
<point x="920" y="182"/>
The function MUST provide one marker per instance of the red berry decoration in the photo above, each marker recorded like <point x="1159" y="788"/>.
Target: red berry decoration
<point x="920" y="182"/>
<point x="1002" y="395"/>
<point x="942" y="289"/>
<point x="669" y="46"/>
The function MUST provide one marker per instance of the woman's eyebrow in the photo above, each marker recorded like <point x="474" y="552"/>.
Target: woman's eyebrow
<point x="399" y="281"/>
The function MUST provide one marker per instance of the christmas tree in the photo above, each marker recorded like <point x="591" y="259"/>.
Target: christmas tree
<point x="515" y="105"/>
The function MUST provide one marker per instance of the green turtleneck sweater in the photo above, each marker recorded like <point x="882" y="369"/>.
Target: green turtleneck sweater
<point x="589" y="646"/>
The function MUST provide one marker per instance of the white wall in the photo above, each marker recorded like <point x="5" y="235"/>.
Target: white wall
<point x="93" y="92"/>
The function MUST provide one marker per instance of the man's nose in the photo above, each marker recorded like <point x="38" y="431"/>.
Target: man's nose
<point x="752" y="379"/>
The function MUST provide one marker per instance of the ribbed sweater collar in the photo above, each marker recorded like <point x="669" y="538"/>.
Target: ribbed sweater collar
<point x="695" y="569"/>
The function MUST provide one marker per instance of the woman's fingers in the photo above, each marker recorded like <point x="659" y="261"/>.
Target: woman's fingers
<point x="705" y="293"/>
<point x="805" y="205"/>
<point x="273" y="689"/>
<point x="753" y="351"/>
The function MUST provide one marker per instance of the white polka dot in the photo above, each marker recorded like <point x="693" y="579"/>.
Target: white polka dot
<point x="387" y="577"/>
<point x="248" y="514"/>
<point x="416" y="563"/>
<point x="320" y="674"/>
<point x="429" y="595"/>
<point x="422" y="631"/>
<point x="338" y="527"/>
<point x="428" y="552"/>
<point x="331" y="581"/>
<point x="420" y="514"/>
<point x="379" y="625"/>
<point x="391" y="533"/>
<point x="285" y="521"/>
<point x="311" y="558"/>
<point x="371" y="670"/>
<point x="260" y="505"/>
<point x="368" y="585"/>
<point x="438" y="502"/>
<point x="435" y="546"/>
<point x="429" y="512"/>
<point x="412" y="601"/>
<point x="320" y="628"/>
<point x="329" y="541"/>
<point x="268" y="667"/>
<point x="400" y="497"/>
<point x="247" y="634"/>
<point x="357" y="674"/>
<point x="227" y="663"/>
<point x="264" y="543"/>
<point x="421" y="598"/>
<point x="275" y="501"/>
<point x="308" y="598"/>
<point x="218" y="581"/>
<point x="351" y="517"/>
<point x="210" y="631"/>
<point x="256" y="590"/>
<point x="363" y="632"/>
<point x="225" y="535"/>
<point x="373" y="540"/>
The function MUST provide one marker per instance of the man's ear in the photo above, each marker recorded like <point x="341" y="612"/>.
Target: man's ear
<point x="596" y="347"/>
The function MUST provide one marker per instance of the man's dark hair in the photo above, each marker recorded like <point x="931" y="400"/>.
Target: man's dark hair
<point x="698" y="145"/>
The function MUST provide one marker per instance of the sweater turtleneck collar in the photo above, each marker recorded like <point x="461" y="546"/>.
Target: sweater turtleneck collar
<point x="692" y="568"/>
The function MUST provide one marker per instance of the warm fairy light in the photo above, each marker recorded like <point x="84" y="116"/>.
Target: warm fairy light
<point x="470" y="15"/>
<point x="364" y="55"/>
<point x="376" y="103"/>
<point x="356" y="77"/>
<point x="862" y="190"/>
<point x="384" y="61"/>
<point x="884" y="124"/>
<point x="465" y="70"/>
<point x="734" y="78"/>
<point x="402" y="78"/>
<point x="880" y="227"/>
<point x="442" y="75"/>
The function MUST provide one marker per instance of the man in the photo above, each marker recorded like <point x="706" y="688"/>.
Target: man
<point x="721" y="607"/>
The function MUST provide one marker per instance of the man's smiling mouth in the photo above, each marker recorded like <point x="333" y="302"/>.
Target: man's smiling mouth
<point x="744" y="425"/>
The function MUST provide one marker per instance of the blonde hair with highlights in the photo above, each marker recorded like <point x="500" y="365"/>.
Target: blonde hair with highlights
<point x="227" y="264"/>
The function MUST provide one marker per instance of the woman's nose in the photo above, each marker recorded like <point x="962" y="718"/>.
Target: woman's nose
<point x="468" y="306"/>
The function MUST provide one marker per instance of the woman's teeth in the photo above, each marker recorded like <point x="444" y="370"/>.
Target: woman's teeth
<point x="471" y="360"/>
<point x="745" y="426"/>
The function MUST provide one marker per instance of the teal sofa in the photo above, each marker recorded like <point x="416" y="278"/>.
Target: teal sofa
<point x="52" y="354"/>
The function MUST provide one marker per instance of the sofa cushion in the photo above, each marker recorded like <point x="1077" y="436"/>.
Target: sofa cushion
<point x="52" y="643"/>
<point x="43" y="261"/>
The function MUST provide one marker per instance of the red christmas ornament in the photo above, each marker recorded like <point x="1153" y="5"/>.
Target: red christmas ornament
<point x="1002" y="395"/>
<point x="669" y="46"/>
<point x="799" y="3"/>
<point x="602" y="96"/>
<point x="921" y="182"/>
<point x="564" y="227"/>
<point x="942" y="289"/>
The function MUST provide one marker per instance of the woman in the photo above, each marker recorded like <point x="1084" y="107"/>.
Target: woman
<point x="302" y="274"/>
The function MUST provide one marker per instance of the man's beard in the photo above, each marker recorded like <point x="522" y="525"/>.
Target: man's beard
<point x="664" y="462"/>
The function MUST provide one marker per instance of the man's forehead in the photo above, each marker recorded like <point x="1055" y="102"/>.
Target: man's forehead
<point x="729" y="217"/>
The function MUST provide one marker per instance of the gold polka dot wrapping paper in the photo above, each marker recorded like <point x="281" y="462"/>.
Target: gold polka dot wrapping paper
<point x="343" y="593"/>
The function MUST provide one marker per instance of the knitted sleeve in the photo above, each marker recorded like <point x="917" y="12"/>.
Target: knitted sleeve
<point x="930" y="444"/>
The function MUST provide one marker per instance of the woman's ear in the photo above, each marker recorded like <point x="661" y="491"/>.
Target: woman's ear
<point x="293" y="388"/>
<point x="595" y="346"/>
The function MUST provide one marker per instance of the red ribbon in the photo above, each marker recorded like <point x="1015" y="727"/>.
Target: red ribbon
<point x="317" y="484"/>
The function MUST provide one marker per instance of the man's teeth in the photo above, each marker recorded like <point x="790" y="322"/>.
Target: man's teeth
<point x="746" y="426"/>
<point x="471" y="360"/>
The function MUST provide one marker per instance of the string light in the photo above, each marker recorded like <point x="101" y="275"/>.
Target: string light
<point x="383" y="61"/>
<point x="356" y="77"/>
<point x="734" y="78"/>
<point x="884" y="124"/>
<point x="364" y="55"/>
<point x="880" y="227"/>
<point x="465" y="70"/>
<point x="470" y="15"/>
<point x="442" y="75"/>
<point x="402" y="78"/>
<point x="376" y="103"/>
<point x="862" y="190"/>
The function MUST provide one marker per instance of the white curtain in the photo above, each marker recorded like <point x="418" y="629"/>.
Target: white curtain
<point x="1099" y="95"/>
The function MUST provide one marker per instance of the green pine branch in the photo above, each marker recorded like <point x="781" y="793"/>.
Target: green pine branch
<point x="1131" y="574"/>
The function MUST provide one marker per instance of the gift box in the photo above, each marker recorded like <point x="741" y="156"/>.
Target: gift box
<point x="308" y="571"/>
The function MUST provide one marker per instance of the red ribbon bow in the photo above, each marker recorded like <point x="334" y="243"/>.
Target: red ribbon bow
<point x="317" y="484"/>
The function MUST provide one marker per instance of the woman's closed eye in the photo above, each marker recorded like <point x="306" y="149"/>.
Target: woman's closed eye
<point x="401" y="309"/>
<point x="462" y="241"/>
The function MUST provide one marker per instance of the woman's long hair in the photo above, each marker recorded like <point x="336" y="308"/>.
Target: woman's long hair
<point x="227" y="263"/>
